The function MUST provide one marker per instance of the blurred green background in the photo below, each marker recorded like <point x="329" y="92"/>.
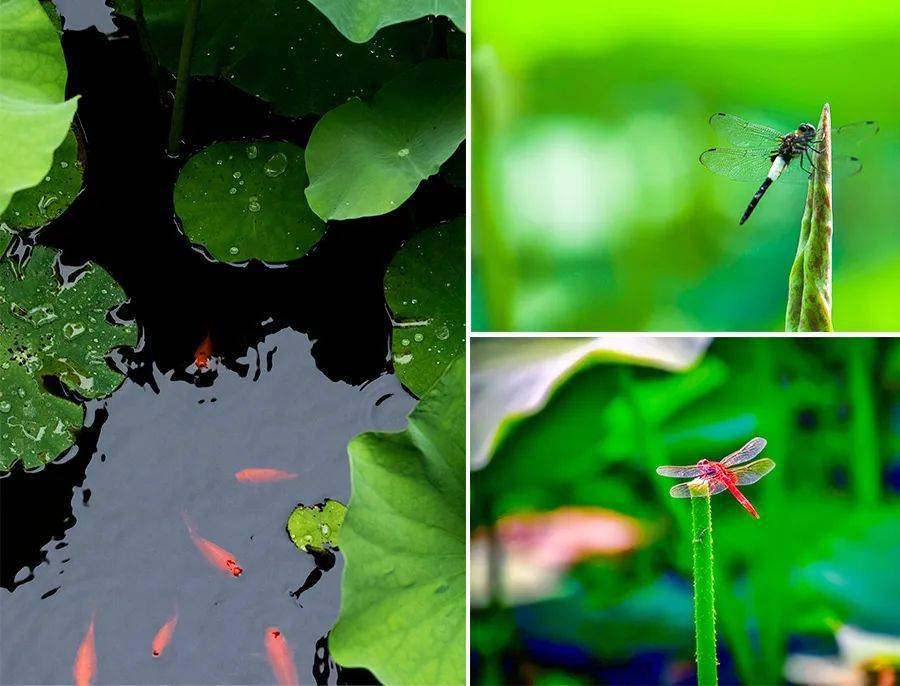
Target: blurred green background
<point x="818" y="568"/>
<point x="591" y="211"/>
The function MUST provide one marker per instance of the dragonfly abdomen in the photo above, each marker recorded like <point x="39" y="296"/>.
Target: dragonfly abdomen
<point x="778" y="165"/>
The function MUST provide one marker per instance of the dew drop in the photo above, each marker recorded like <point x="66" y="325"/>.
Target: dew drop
<point x="233" y="250"/>
<point x="232" y="190"/>
<point x="443" y="333"/>
<point x="276" y="164"/>
<point x="73" y="330"/>
<point x="237" y="175"/>
<point x="253" y="204"/>
<point x="252" y="152"/>
<point x="402" y="152"/>
<point x="403" y="359"/>
<point x="419" y="337"/>
<point x="5" y="406"/>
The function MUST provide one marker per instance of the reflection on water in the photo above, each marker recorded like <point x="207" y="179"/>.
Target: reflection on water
<point x="128" y="558"/>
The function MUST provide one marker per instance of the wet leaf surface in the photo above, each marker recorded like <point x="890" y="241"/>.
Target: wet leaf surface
<point x="288" y="54"/>
<point x="34" y="114"/>
<point x="40" y="204"/>
<point x="244" y="199"/>
<point x="404" y="585"/>
<point x="55" y="330"/>
<point x="359" y="20"/>
<point x="317" y="526"/>
<point x="425" y="288"/>
<point x="367" y="159"/>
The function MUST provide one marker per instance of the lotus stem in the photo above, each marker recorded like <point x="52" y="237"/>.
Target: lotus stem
<point x="809" y="284"/>
<point x="184" y="75"/>
<point x="704" y="586"/>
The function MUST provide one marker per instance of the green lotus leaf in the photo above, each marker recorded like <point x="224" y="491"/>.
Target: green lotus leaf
<point x="40" y="204"/>
<point x="367" y="159"/>
<point x="48" y="328"/>
<point x="359" y="20"/>
<point x="286" y="53"/>
<point x="425" y="288"/>
<point x="403" y="591"/>
<point x="34" y="114"/>
<point x="243" y="199"/>
<point x="317" y="526"/>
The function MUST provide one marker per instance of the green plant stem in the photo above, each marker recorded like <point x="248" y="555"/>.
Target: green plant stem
<point x="865" y="464"/>
<point x="809" y="284"/>
<point x="184" y="75"/>
<point x="704" y="587"/>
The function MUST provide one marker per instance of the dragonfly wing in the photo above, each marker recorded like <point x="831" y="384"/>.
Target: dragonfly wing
<point x="753" y="472"/>
<point x="744" y="134"/>
<point x="748" y="452"/>
<point x="843" y="166"/>
<point x="797" y="174"/>
<point x="853" y="134"/>
<point x="678" y="472"/>
<point x="738" y="164"/>
<point x="684" y="490"/>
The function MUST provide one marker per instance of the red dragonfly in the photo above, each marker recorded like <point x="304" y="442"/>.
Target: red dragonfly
<point x="720" y="476"/>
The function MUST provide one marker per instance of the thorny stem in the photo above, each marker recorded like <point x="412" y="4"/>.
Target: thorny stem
<point x="704" y="586"/>
<point x="184" y="75"/>
<point x="809" y="284"/>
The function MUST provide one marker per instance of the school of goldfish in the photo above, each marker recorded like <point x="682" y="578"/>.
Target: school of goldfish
<point x="279" y="653"/>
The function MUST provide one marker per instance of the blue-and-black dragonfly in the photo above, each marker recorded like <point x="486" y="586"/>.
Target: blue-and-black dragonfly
<point x="761" y="151"/>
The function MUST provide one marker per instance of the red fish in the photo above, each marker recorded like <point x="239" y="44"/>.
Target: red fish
<point x="281" y="658"/>
<point x="216" y="555"/>
<point x="85" y="667"/>
<point x="203" y="354"/>
<point x="164" y="635"/>
<point x="261" y="475"/>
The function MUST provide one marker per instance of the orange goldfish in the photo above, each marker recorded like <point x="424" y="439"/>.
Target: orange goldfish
<point x="281" y="658"/>
<point x="260" y="475"/>
<point x="216" y="555"/>
<point x="85" y="667"/>
<point x="164" y="635"/>
<point x="203" y="353"/>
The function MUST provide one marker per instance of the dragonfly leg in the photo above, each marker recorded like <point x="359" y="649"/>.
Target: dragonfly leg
<point x="802" y="168"/>
<point x="811" y="162"/>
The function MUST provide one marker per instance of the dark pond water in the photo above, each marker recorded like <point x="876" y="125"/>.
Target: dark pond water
<point x="303" y="367"/>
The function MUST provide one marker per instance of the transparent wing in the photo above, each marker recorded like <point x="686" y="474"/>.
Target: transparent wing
<point x="737" y="164"/>
<point x="678" y="472"/>
<point x="684" y="490"/>
<point x="797" y="174"/>
<point x="753" y="472"/>
<point x="744" y="134"/>
<point x="843" y="166"/>
<point x="753" y="448"/>
<point x="853" y="134"/>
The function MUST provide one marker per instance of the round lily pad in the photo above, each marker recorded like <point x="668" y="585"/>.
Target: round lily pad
<point x="425" y="288"/>
<point x="359" y="20"/>
<point x="287" y="53"/>
<point x="244" y="199"/>
<point x="34" y="114"/>
<point x="368" y="159"/>
<point x="317" y="527"/>
<point x="56" y="329"/>
<point x="40" y="204"/>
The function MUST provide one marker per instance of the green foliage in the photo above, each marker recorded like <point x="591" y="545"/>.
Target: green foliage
<point x="425" y="288"/>
<point x="288" y="54"/>
<point x="317" y="526"/>
<point x="403" y="604"/>
<point x="809" y="284"/>
<point x="34" y="114"/>
<point x="40" y="204"/>
<point x="56" y="330"/>
<point x="359" y="20"/>
<point x="368" y="159"/>
<point x="243" y="199"/>
<point x="823" y="544"/>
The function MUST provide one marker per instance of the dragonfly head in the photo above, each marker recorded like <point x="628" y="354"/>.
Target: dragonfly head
<point x="807" y="129"/>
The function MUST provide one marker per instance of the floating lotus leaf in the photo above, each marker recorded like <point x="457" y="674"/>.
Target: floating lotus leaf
<point x="34" y="114"/>
<point x="367" y="159"/>
<point x="359" y="20"/>
<point x="48" y="328"/>
<point x="286" y="53"/>
<point x="403" y="592"/>
<point x="425" y="288"/>
<point x="317" y="526"/>
<point x="40" y="204"/>
<point x="244" y="199"/>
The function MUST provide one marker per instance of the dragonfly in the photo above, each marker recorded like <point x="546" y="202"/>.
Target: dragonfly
<point x="760" y="151"/>
<point x="723" y="475"/>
